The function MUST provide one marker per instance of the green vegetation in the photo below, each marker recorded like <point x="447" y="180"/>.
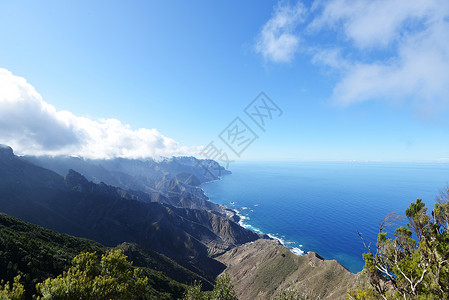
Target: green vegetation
<point x="194" y="292"/>
<point x="35" y="253"/>
<point x="111" y="277"/>
<point x="30" y="254"/>
<point x="147" y="259"/>
<point x="14" y="292"/>
<point x="403" y="268"/>
<point x="223" y="290"/>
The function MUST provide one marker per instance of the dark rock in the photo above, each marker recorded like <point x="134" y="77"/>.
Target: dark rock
<point x="111" y="215"/>
<point x="6" y="152"/>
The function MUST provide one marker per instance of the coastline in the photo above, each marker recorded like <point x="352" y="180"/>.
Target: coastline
<point x="238" y="217"/>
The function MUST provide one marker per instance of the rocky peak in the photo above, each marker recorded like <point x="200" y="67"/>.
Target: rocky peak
<point x="75" y="179"/>
<point x="6" y="151"/>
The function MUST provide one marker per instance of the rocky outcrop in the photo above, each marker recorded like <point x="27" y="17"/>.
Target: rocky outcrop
<point x="263" y="269"/>
<point x="227" y="233"/>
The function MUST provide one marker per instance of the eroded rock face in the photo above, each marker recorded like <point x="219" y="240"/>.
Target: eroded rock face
<point x="110" y="215"/>
<point x="263" y="268"/>
<point x="173" y="181"/>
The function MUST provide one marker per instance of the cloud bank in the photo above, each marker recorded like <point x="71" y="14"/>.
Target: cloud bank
<point x="31" y="126"/>
<point x="383" y="49"/>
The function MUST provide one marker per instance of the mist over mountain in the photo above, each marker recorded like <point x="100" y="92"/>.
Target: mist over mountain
<point x="157" y="213"/>
<point x="111" y="215"/>
<point x="173" y="181"/>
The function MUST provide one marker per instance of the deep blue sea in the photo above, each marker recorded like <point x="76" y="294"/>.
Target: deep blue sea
<point x="318" y="206"/>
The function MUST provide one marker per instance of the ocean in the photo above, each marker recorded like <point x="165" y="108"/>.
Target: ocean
<point x="319" y="206"/>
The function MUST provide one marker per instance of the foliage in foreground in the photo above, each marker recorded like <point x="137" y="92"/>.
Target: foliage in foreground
<point x="403" y="268"/>
<point x="16" y="291"/>
<point x="223" y="290"/>
<point x="111" y="277"/>
<point x="36" y="253"/>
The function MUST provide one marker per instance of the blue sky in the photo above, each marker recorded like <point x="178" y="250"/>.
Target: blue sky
<point x="364" y="80"/>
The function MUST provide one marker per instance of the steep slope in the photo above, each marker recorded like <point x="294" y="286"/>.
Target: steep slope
<point x="78" y="207"/>
<point x="19" y="171"/>
<point x="37" y="253"/>
<point x="171" y="181"/>
<point x="77" y="182"/>
<point x="143" y="257"/>
<point x="262" y="269"/>
<point x="230" y="233"/>
<point x="259" y="268"/>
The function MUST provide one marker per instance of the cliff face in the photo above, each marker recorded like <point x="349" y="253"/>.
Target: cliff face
<point x="171" y="181"/>
<point x="263" y="268"/>
<point x="226" y="233"/>
<point x="110" y="215"/>
<point x="205" y="241"/>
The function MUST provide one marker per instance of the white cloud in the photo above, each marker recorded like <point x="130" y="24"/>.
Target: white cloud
<point x="31" y="126"/>
<point x="380" y="49"/>
<point x="277" y="41"/>
<point x="403" y="45"/>
<point x="373" y="23"/>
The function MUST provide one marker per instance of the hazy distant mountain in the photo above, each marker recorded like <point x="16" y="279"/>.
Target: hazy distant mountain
<point x="205" y="242"/>
<point x="172" y="181"/>
<point x="110" y="215"/>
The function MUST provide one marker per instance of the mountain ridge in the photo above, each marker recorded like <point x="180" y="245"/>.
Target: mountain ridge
<point x="36" y="253"/>
<point x="172" y="181"/>
<point x="204" y="242"/>
<point x="78" y="207"/>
